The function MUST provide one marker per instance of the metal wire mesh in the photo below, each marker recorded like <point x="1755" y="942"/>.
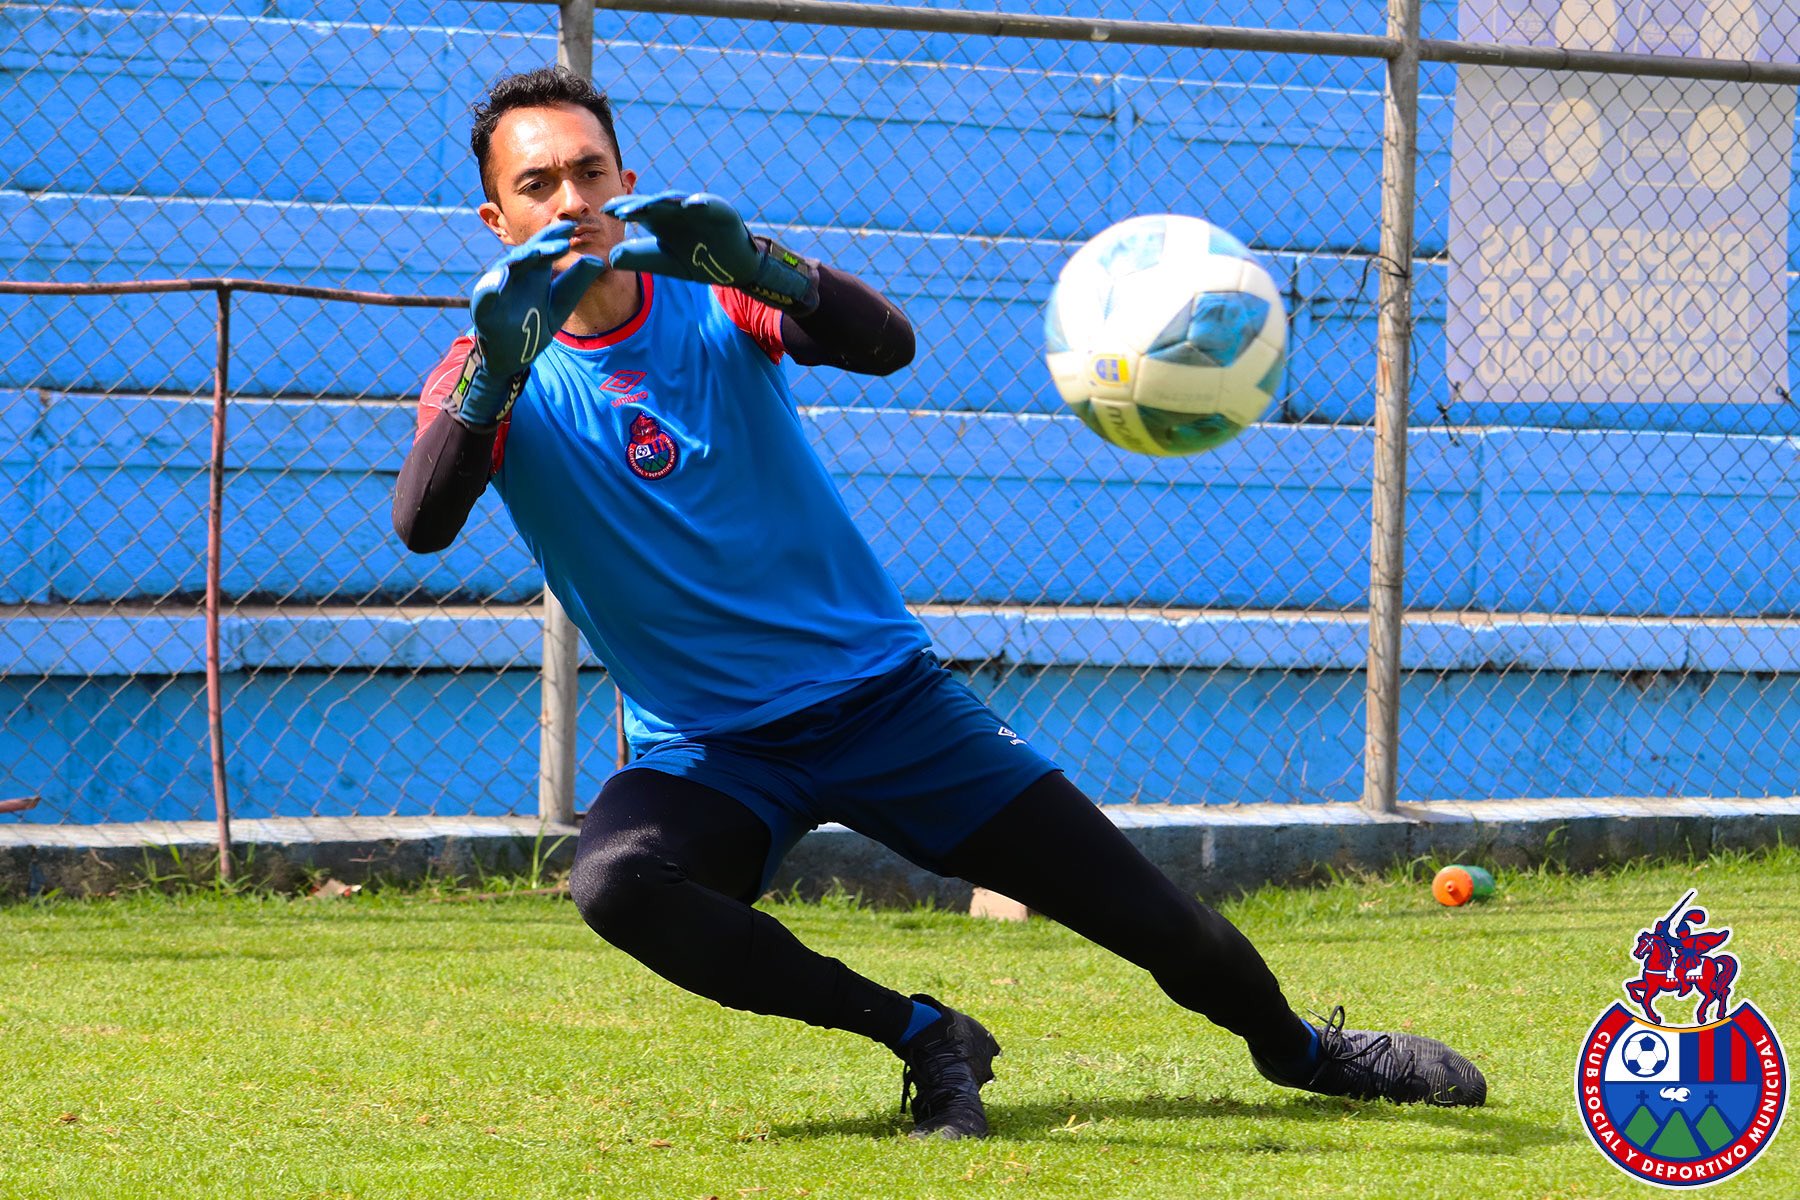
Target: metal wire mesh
<point x="1082" y="586"/>
<point x="1603" y="415"/>
<point x="1187" y="631"/>
<point x="306" y="144"/>
<point x="1121" y="610"/>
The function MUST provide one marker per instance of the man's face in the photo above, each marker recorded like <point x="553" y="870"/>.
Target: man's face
<point x="555" y="164"/>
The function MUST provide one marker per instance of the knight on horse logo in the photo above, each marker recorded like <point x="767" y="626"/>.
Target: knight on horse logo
<point x="1680" y="961"/>
<point x="1682" y="1105"/>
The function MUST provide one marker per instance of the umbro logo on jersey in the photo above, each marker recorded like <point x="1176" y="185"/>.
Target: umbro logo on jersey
<point x="623" y="386"/>
<point x="1008" y="733"/>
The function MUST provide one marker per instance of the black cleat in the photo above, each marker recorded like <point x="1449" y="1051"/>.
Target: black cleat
<point x="1402" y="1067"/>
<point x="947" y="1062"/>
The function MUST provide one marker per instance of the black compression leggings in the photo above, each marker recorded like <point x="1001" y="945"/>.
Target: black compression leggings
<point x="666" y="871"/>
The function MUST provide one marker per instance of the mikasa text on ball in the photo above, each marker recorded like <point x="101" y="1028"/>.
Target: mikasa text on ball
<point x="1166" y="335"/>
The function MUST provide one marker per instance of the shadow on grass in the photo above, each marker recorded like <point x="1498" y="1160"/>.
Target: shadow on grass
<point x="1488" y="1131"/>
<point x="341" y="950"/>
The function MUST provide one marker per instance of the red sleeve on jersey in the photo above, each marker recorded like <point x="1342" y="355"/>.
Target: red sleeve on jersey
<point x="441" y="382"/>
<point x="755" y="318"/>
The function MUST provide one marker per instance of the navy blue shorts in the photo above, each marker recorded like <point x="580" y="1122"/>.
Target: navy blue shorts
<point x="910" y="758"/>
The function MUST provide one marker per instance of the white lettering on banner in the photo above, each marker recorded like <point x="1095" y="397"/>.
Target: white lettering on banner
<point x="1621" y="239"/>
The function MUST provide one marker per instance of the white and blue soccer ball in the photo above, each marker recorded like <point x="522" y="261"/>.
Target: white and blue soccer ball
<point x="1166" y="335"/>
<point x="1644" y="1053"/>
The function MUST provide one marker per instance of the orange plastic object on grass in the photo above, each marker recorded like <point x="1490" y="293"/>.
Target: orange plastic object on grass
<point x="1456" y="885"/>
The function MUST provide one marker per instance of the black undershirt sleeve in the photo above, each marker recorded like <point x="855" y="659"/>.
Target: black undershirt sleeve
<point x="444" y="474"/>
<point x="855" y="328"/>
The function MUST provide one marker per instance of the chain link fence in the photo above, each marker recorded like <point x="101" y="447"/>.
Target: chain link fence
<point x="1608" y="320"/>
<point x="294" y="146"/>
<point x="1172" y="631"/>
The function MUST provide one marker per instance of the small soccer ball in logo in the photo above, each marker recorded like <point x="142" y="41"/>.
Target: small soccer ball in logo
<point x="1165" y="335"/>
<point x="1644" y="1053"/>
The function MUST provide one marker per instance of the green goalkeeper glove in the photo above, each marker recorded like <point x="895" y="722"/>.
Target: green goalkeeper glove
<point x="518" y="306"/>
<point x="702" y="238"/>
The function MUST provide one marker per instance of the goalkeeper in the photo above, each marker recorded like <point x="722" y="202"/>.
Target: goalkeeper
<point x="623" y="390"/>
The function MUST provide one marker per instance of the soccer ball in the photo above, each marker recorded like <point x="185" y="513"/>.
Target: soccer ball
<point x="1166" y="335"/>
<point x="1644" y="1053"/>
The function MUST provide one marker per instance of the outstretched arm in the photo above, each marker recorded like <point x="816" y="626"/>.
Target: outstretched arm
<point x="444" y="475"/>
<point x="855" y="328"/>
<point x="517" y="305"/>
<point x="828" y="316"/>
<point x="448" y="467"/>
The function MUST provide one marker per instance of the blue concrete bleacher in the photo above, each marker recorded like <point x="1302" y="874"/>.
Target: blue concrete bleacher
<point x="103" y="499"/>
<point x="1267" y="709"/>
<point x="250" y="149"/>
<point x="325" y="143"/>
<point x="1231" y="680"/>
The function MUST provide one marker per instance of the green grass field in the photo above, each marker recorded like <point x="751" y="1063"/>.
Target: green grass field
<point x="397" y="1045"/>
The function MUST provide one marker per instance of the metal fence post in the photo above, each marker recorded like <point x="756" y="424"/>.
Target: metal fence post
<point x="1387" y="549"/>
<point x="215" y="554"/>
<point x="562" y="644"/>
<point x="575" y="36"/>
<point x="556" y="733"/>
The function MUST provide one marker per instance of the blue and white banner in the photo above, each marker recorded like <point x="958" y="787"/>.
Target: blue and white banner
<point x="1616" y="238"/>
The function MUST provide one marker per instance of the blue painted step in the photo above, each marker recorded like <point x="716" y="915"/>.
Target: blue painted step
<point x="806" y="127"/>
<point x="101" y="499"/>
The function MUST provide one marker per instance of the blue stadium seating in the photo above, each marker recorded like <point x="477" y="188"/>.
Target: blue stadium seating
<point x="325" y="143"/>
<point x="104" y="500"/>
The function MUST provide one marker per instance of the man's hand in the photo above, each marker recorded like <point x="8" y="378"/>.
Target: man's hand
<point x="518" y="306"/>
<point x="702" y="238"/>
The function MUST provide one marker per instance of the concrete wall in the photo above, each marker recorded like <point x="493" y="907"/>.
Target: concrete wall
<point x="954" y="173"/>
<point x="325" y="143"/>
<point x="102" y="499"/>
<point x="322" y="743"/>
<point x="1236" y="678"/>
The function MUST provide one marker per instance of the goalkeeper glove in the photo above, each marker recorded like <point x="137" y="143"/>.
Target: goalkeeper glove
<point x="702" y="238"/>
<point x="518" y="306"/>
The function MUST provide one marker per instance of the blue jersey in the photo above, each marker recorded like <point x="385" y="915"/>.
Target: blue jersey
<point x="661" y="477"/>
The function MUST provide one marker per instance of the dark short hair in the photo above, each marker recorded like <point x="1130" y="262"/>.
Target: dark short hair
<point x="541" y="88"/>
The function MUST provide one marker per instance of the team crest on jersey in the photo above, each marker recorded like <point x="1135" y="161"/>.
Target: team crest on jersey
<point x="651" y="452"/>
<point x="1682" y="1105"/>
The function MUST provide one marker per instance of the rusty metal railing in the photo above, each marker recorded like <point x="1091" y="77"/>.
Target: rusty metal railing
<point x="222" y="290"/>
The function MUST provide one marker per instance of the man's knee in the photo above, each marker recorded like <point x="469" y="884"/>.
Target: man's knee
<point x="616" y="887"/>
